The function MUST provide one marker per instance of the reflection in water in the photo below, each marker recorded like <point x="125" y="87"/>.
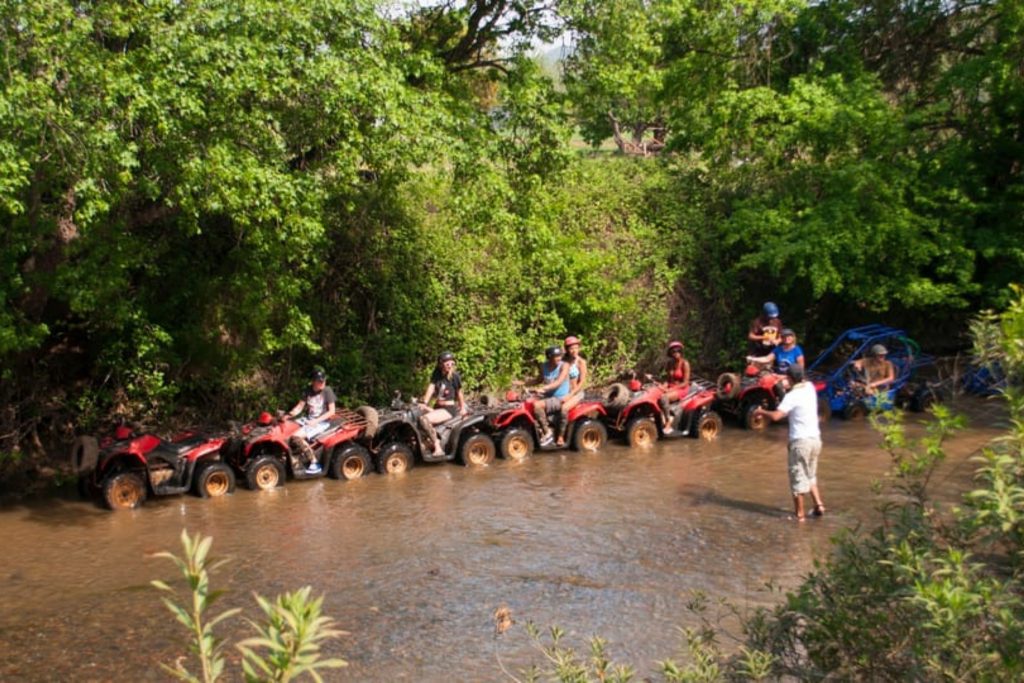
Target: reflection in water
<point x="414" y="566"/>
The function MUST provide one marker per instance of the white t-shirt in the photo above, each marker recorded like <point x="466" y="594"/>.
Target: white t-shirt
<point x="801" y="407"/>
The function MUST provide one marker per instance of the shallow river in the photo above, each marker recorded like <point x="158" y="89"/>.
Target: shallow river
<point x="414" y="566"/>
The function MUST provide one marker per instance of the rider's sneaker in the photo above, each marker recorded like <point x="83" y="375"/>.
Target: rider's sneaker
<point x="548" y="438"/>
<point x="668" y="430"/>
<point x="314" y="469"/>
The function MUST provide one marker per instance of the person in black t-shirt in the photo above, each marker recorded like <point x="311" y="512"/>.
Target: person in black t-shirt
<point x="319" y="403"/>
<point x="445" y="388"/>
<point x="763" y="335"/>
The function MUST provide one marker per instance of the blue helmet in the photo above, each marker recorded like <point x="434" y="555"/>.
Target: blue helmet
<point x="770" y="309"/>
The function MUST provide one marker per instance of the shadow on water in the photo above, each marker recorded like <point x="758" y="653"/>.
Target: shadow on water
<point x="698" y="496"/>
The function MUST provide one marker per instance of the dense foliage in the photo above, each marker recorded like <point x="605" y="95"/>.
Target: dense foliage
<point x="200" y="199"/>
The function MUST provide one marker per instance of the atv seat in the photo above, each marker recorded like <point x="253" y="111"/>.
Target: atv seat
<point x="170" y="452"/>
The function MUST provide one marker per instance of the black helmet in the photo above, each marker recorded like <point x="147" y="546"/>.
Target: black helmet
<point x="318" y="374"/>
<point x="553" y="351"/>
<point x="795" y="373"/>
<point x="445" y="355"/>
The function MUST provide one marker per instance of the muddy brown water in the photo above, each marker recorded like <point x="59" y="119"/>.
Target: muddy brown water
<point x="414" y="566"/>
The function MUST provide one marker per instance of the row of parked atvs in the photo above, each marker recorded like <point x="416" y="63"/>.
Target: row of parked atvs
<point x="125" y="468"/>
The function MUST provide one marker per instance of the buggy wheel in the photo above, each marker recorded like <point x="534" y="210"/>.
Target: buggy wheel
<point x="213" y="480"/>
<point x="516" y="444"/>
<point x="349" y="462"/>
<point x="754" y="420"/>
<point x="372" y="420"/>
<point x="264" y="473"/>
<point x="589" y="436"/>
<point x="477" y="450"/>
<point x="824" y="409"/>
<point x="616" y="395"/>
<point x="641" y="432"/>
<point x="855" y="411"/>
<point x="728" y="386"/>
<point x="709" y="426"/>
<point x="395" y="458"/>
<point x="922" y="399"/>
<point x="124" y="491"/>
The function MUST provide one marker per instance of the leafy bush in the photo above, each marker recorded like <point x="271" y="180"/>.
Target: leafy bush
<point x="286" y="646"/>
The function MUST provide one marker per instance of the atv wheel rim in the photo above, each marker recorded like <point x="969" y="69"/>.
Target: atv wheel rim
<point x="477" y="455"/>
<point x="395" y="464"/>
<point x="643" y="435"/>
<point x="217" y="484"/>
<point x="267" y="477"/>
<point x="590" y="439"/>
<point x="708" y="430"/>
<point x="126" y="494"/>
<point x="517" y="448"/>
<point x="353" y="468"/>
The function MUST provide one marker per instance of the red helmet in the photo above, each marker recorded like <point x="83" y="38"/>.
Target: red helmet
<point x="634" y="385"/>
<point x="570" y="340"/>
<point x="265" y="418"/>
<point x="674" y="345"/>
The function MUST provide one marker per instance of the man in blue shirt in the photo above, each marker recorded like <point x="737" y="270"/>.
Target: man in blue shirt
<point x="784" y="355"/>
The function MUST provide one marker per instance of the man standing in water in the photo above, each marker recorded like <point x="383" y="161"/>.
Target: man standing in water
<point x="800" y="405"/>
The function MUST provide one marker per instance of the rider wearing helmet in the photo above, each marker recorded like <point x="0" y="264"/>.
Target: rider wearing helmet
<point x="319" y="403"/>
<point x="577" y="383"/>
<point x="878" y="373"/>
<point x="445" y="387"/>
<point x="764" y="330"/>
<point x="554" y="385"/>
<point x="677" y="383"/>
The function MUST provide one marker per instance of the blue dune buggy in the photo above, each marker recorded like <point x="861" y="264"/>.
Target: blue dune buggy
<point x="841" y="384"/>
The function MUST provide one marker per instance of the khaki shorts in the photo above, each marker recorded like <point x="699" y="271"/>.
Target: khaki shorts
<point x="803" y="464"/>
<point x="552" y="405"/>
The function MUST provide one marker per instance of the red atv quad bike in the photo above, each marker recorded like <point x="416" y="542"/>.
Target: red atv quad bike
<point x="739" y="396"/>
<point x="515" y="429"/>
<point x="401" y="438"/>
<point x="635" y="413"/>
<point x="262" y="453"/>
<point x="124" y="468"/>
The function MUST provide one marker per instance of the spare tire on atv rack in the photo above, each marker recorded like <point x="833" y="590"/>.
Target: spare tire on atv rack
<point x="372" y="420"/>
<point x="85" y="452"/>
<point x="616" y="395"/>
<point x="488" y="400"/>
<point x="727" y="386"/>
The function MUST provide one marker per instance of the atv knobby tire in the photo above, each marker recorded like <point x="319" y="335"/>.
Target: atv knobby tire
<point x="477" y="450"/>
<point x="349" y="462"/>
<point x="589" y="436"/>
<point x="124" y="491"/>
<point x="516" y="444"/>
<point x="265" y="473"/>
<point x="213" y="479"/>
